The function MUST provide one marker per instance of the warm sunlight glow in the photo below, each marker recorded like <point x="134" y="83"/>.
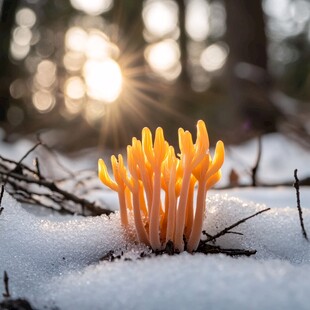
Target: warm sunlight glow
<point x="214" y="57"/>
<point x="197" y="23"/>
<point x="103" y="79"/>
<point x="99" y="46"/>
<point x="163" y="58"/>
<point x="94" y="76"/>
<point x="75" y="88"/>
<point x="94" y="110"/>
<point x="92" y="7"/>
<point x="160" y="17"/>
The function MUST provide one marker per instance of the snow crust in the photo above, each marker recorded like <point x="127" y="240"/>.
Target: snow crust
<point x="54" y="262"/>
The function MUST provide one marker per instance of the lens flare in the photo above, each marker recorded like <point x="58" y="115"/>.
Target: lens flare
<point x="103" y="79"/>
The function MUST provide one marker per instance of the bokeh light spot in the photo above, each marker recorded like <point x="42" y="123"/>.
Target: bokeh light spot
<point x="43" y="101"/>
<point x="25" y="17"/>
<point x="197" y="23"/>
<point x="76" y="39"/>
<point x="99" y="46"/>
<point x="160" y="17"/>
<point x="18" y="52"/>
<point x="214" y="57"/>
<point x="92" y="7"/>
<point x="75" y="88"/>
<point x="22" y="36"/>
<point x="46" y="74"/>
<point x="163" y="58"/>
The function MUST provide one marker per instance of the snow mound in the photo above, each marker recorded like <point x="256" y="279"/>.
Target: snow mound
<point x="33" y="248"/>
<point x="274" y="234"/>
<point x="55" y="262"/>
<point x="184" y="282"/>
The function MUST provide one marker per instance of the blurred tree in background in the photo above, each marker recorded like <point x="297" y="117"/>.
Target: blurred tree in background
<point x="103" y="69"/>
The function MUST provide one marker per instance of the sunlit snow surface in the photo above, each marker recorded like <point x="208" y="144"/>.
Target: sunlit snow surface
<point x="54" y="261"/>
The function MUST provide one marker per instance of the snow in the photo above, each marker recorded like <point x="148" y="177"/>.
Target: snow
<point x="279" y="158"/>
<point x="54" y="261"/>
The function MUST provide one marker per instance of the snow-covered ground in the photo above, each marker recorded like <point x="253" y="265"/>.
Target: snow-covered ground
<point x="54" y="261"/>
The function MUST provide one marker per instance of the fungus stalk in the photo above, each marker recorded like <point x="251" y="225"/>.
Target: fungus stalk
<point x="153" y="169"/>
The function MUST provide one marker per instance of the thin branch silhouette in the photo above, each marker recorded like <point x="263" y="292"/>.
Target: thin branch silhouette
<point x="296" y="185"/>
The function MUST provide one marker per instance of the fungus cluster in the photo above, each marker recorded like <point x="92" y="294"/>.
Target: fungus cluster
<point x="157" y="187"/>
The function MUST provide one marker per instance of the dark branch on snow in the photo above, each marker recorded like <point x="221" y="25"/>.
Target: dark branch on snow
<point x="296" y="185"/>
<point x="6" y="293"/>
<point x="213" y="249"/>
<point x="229" y="228"/>
<point x="1" y="196"/>
<point x="30" y="186"/>
<point x="37" y="166"/>
<point x="29" y="152"/>
<point x="255" y="168"/>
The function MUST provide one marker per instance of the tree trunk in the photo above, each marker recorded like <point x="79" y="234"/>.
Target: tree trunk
<point x="7" y="11"/>
<point x="248" y="78"/>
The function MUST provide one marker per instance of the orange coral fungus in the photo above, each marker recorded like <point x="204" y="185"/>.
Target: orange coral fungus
<point x="153" y="169"/>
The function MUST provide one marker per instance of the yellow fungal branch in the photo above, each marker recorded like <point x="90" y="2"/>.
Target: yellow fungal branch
<point x="157" y="187"/>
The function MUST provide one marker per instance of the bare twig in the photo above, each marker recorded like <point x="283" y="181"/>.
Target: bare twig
<point x="53" y="187"/>
<point x="296" y="185"/>
<point x="206" y="248"/>
<point x="37" y="166"/>
<point x="23" y="181"/>
<point x="6" y="293"/>
<point x="29" y="152"/>
<point x="255" y="168"/>
<point x="13" y="162"/>
<point x="18" y="166"/>
<point x="229" y="228"/>
<point x="1" y="195"/>
<point x="213" y="249"/>
<point x="55" y="157"/>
